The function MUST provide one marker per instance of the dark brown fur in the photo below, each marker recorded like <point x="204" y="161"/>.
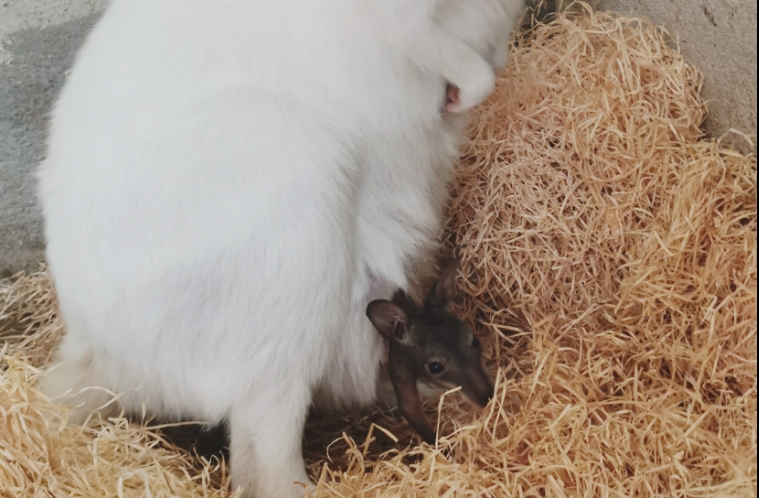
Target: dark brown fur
<point x="431" y="344"/>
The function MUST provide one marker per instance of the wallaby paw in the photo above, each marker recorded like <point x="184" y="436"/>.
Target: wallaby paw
<point x="465" y="96"/>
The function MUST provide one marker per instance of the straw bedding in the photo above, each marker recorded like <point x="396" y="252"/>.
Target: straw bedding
<point x="609" y="267"/>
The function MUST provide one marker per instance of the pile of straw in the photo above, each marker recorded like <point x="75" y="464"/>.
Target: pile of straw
<point x="609" y="267"/>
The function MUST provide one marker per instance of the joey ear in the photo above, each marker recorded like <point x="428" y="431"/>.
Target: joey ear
<point x="388" y="318"/>
<point x="444" y="290"/>
<point x="407" y="304"/>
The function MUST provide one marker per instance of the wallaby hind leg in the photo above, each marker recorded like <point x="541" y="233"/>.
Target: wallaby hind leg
<point x="266" y="431"/>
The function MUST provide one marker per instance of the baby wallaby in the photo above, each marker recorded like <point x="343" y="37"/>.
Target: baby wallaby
<point x="430" y="345"/>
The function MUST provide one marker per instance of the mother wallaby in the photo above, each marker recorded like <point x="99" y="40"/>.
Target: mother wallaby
<point x="228" y="184"/>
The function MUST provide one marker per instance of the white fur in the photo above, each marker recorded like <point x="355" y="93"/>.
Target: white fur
<point x="227" y="185"/>
<point x="412" y="27"/>
<point x="406" y="190"/>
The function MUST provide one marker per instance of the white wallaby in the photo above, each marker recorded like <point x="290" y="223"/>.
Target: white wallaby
<point x="228" y="184"/>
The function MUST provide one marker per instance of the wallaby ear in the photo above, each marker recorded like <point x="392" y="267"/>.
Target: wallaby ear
<point x="402" y="299"/>
<point x="444" y="290"/>
<point x="388" y="318"/>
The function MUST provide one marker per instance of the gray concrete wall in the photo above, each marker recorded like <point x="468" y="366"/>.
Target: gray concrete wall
<point x="718" y="37"/>
<point x="38" y="40"/>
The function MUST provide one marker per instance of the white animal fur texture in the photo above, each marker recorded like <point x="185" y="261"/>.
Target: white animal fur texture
<point x="223" y="180"/>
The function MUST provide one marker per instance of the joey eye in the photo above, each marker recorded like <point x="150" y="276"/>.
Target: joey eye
<point x="435" y="368"/>
<point x="475" y="342"/>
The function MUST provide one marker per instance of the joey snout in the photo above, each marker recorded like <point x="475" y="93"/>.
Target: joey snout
<point x="477" y="388"/>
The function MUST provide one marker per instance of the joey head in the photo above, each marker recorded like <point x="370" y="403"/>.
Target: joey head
<point x="430" y="344"/>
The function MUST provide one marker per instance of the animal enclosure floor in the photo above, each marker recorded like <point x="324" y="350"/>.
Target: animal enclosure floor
<point x="609" y="266"/>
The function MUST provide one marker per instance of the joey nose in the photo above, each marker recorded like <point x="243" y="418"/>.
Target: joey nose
<point x="489" y="394"/>
<point x="485" y="394"/>
<point x="480" y="391"/>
